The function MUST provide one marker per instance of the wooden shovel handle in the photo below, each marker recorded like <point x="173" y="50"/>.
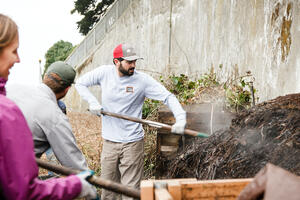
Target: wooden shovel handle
<point x="94" y="180"/>
<point x="153" y="124"/>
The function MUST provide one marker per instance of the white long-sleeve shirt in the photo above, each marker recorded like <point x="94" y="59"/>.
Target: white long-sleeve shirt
<point x="125" y="95"/>
<point x="49" y="125"/>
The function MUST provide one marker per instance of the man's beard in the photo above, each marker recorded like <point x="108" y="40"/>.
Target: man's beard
<point x="126" y="72"/>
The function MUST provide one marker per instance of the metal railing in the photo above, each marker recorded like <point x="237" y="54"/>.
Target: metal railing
<point x="97" y="34"/>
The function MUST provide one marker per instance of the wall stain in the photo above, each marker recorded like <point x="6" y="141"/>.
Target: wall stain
<point x="284" y="23"/>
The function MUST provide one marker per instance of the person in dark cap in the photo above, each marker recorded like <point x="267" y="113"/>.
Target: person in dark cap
<point x="49" y="153"/>
<point x="124" y="90"/>
<point x="49" y="125"/>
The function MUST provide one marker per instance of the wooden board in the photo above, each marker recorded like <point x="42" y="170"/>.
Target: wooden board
<point x="147" y="190"/>
<point x="215" y="189"/>
<point x="174" y="189"/>
<point x="191" y="189"/>
<point x="162" y="194"/>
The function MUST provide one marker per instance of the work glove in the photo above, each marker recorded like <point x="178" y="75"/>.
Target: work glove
<point x="178" y="127"/>
<point x="88" y="191"/>
<point x="95" y="108"/>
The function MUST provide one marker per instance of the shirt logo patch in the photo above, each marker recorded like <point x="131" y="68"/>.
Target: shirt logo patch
<point x="129" y="89"/>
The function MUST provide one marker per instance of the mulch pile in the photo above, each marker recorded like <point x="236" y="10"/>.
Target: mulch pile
<point x="268" y="132"/>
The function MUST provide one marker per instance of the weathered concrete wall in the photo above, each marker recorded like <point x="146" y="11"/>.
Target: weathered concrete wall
<point x="240" y="35"/>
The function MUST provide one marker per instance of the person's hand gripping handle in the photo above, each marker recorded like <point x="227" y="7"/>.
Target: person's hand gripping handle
<point x="87" y="190"/>
<point x="95" y="109"/>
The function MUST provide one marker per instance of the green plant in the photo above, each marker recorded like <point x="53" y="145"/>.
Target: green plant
<point x="58" y="52"/>
<point x="208" y="80"/>
<point x="150" y="112"/>
<point x="180" y="86"/>
<point x="149" y="107"/>
<point x="185" y="89"/>
<point x="238" y="93"/>
<point x="92" y="11"/>
<point x="149" y="152"/>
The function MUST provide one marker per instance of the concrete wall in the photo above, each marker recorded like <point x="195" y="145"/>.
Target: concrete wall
<point x="193" y="36"/>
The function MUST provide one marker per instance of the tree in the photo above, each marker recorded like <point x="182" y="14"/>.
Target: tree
<point x="58" y="52"/>
<point x="92" y="12"/>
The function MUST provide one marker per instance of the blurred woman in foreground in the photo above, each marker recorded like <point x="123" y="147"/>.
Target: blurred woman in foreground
<point x="18" y="169"/>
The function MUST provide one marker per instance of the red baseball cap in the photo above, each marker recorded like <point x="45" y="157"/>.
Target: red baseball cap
<point x="126" y="52"/>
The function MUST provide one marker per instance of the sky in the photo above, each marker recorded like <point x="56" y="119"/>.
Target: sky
<point x="41" y="24"/>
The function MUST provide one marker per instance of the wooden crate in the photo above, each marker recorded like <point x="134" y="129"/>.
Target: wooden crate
<point x="191" y="189"/>
<point x="199" y="118"/>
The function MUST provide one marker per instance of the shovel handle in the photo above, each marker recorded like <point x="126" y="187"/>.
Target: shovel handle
<point x="153" y="124"/>
<point x="195" y="133"/>
<point x="103" y="183"/>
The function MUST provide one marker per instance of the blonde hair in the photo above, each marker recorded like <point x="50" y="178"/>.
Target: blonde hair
<point x="8" y="31"/>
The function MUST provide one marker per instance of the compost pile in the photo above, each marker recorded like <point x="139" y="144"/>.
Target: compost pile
<point x="268" y="132"/>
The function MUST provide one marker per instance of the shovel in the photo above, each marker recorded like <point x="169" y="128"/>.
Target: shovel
<point x="153" y="124"/>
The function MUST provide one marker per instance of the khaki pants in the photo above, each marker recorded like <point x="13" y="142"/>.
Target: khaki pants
<point x="122" y="163"/>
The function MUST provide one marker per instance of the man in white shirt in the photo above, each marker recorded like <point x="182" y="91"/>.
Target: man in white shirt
<point x="124" y="91"/>
<point x="49" y="125"/>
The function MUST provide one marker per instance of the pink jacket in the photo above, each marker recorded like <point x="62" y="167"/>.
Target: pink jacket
<point x="18" y="169"/>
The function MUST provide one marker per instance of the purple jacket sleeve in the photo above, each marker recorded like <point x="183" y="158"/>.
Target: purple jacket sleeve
<point x="18" y="169"/>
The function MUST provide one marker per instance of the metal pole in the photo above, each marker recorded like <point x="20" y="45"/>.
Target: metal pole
<point x="170" y="38"/>
<point x="40" y="71"/>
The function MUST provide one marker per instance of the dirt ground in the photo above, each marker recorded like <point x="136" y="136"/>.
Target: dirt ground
<point x="268" y="132"/>
<point x="87" y="131"/>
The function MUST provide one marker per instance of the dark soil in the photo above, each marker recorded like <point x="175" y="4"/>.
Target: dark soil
<point x="268" y="132"/>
